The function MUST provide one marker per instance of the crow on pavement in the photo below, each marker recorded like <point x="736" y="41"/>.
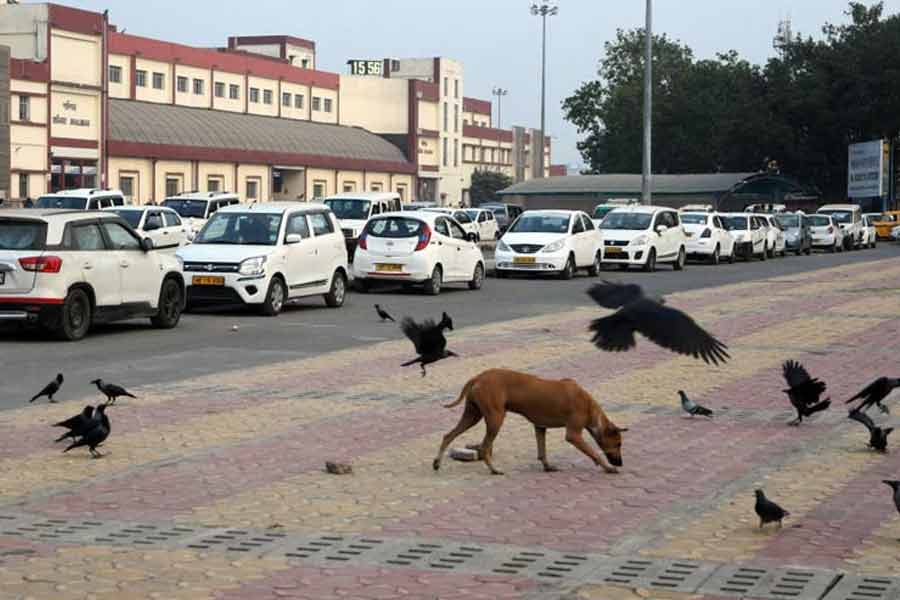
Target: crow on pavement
<point x="768" y="511"/>
<point x="875" y="392"/>
<point x="95" y="433"/>
<point x="77" y="424"/>
<point x="895" y="485"/>
<point x="666" y="327"/>
<point x="877" y="435"/>
<point x="428" y="339"/>
<point x="383" y="314"/>
<point x="803" y="391"/>
<point x="50" y="389"/>
<point x="692" y="408"/>
<point x="111" y="391"/>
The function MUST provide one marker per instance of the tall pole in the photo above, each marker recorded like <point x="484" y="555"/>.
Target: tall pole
<point x="646" y="175"/>
<point x="499" y="92"/>
<point x="544" y="9"/>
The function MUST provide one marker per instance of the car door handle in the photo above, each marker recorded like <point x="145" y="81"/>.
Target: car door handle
<point x="124" y="264"/>
<point x="88" y="266"/>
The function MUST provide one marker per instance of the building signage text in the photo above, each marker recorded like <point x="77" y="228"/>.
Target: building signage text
<point x="366" y="67"/>
<point x="865" y="173"/>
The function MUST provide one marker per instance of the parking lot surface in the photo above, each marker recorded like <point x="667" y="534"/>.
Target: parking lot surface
<point x="213" y="485"/>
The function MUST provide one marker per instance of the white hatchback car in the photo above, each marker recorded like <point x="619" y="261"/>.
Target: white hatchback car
<point x="160" y="224"/>
<point x="67" y="270"/>
<point x="462" y="218"/>
<point x="418" y="247"/>
<point x="826" y="233"/>
<point x="776" y="244"/>
<point x="644" y="236"/>
<point x="707" y="237"/>
<point x="488" y="228"/>
<point x="265" y="255"/>
<point x="549" y="241"/>
<point x="748" y="233"/>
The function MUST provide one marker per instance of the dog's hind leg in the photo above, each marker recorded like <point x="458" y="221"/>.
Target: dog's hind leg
<point x="469" y="419"/>
<point x="540" y="433"/>
<point x="492" y="428"/>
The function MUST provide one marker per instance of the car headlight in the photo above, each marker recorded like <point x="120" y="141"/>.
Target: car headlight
<point x="253" y="266"/>
<point x="555" y="246"/>
<point x="640" y="240"/>
<point x="503" y="247"/>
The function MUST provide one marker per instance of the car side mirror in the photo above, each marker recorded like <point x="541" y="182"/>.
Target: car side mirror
<point x="146" y="244"/>
<point x="661" y="228"/>
<point x="471" y="237"/>
<point x="293" y="238"/>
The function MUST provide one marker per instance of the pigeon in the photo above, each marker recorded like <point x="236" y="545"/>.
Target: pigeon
<point x="383" y="314"/>
<point x="95" y="433"/>
<point x="875" y="392"/>
<point x="50" y="389"/>
<point x="803" y="391"/>
<point x="895" y="485"/>
<point x="666" y="327"/>
<point x="111" y="391"/>
<point x="768" y="511"/>
<point x="692" y="408"/>
<point x="429" y="340"/>
<point x="877" y="435"/>
<point x="77" y="424"/>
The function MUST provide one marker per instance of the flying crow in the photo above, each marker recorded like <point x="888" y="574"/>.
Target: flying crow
<point x="111" y="391"/>
<point x="875" y="392"/>
<point x="429" y="340"/>
<point x="877" y="435"/>
<point x="803" y="391"/>
<point x="50" y="389"/>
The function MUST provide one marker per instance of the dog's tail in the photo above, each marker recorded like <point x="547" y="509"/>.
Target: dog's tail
<point x="463" y="394"/>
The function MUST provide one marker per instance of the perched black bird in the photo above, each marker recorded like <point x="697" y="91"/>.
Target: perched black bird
<point x="895" y="485"/>
<point x="429" y="340"/>
<point x="692" y="408"/>
<point x="803" y="391"/>
<point x="383" y="314"/>
<point x="95" y="433"/>
<point x="877" y="435"/>
<point x="768" y="511"/>
<point x="875" y="392"/>
<point x="667" y="327"/>
<point x="50" y="389"/>
<point x="77" y="424"/>
<point x="111" y="391"/>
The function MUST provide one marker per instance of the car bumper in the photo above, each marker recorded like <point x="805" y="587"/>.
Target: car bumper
<point x="825" y="241"/>
<point x="531" y="263"/>
<point x="793" y="244"/>
<point x="625" y="255"/>
<point x="704" y="247"/>
<point x="30" y="309"/>
<point x="414" y="268"/>
<point x="235" y="289"/>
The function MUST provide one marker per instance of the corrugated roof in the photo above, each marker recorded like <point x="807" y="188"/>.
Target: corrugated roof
<point x="622" y="183"/>
<point x="163" y="124"/>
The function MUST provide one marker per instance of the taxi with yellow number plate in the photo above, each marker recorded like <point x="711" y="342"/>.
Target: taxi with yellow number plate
<point x="550" y="242"/>
<point x="885" y="223"/>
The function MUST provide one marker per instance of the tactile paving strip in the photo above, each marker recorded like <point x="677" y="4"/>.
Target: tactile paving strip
<point x="865" y="588"/>
<point x="769" y="584"/>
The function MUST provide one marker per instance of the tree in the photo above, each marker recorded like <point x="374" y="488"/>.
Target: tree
<point x="486" y="184"/>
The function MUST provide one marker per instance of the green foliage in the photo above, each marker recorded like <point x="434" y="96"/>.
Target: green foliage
<point x="486" y="184"/>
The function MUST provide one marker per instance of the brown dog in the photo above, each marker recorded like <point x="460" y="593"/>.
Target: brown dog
<point x="546" y="403"/>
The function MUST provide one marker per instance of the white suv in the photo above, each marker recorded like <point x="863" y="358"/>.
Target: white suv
<point x="849" y="218"/>
<point x="643" y="236"/>
<point x="195" y="208"/>
<point x="81" y="199"/>
<point x="69" y="269"/>
<point x="160" y="224"/>
<point x="265" y="255"/>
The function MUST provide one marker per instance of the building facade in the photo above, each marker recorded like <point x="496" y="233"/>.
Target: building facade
<point x="5" y="147"/>
<point x="92" y="106"/>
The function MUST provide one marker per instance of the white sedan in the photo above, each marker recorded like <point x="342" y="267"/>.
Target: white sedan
<point x="549" y="241"/>
<point x="160" y="224"/>
<point x="707" y="237"/>
<point x="417" y="247"/>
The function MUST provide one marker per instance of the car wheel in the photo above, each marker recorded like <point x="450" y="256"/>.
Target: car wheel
<point x="170" y="302"/>
<point x="715" y="258"/>
<point x="75" y="319"/>
<point x="765" y="253"/>
<point x="594" y="269"/>
<point x="732" y="257"/>
<point x="569" y="270"/>
<point x="678" y="265"/>
<point x="808" y="251"/>
<point x="275" y="297"/>
<point x="650" y="265"/>
<point x="335" y="296"/>
<point x="477" y="277"/>
<point x="770" y="252"/>
<point x="874" y="243"/>
<point x="433" y="285"/>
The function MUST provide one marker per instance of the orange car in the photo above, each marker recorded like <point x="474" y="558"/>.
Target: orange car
<point x="885" y="223"/>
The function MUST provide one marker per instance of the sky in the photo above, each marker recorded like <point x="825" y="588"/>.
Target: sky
<point x="498" y="41"/>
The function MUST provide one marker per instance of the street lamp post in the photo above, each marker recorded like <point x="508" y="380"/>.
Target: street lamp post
<point x="646" y="175"/>
<point x="499" y="92"/>
<point x="544" y="9"/>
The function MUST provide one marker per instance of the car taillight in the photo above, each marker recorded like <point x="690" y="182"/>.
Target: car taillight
<point x="830" y="229"/>
<point x="361" y="242"/>
<point x="706" y="233"/>
<point x="41" y="264"/>
<point x="424" y="238"/>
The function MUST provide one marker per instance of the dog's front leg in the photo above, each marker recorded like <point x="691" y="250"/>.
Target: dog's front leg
<point x="574" y="437"/>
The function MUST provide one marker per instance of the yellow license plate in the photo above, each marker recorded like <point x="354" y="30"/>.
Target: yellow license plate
<point x="205" y="280"/>
<point x="523" y="260"/>
<point x="388" y="268"/>
<point x="614" y="251"/>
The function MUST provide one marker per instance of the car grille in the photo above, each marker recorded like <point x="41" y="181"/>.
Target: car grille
<point x="525" y="248"/>
<point x="212" y="294"/>
<point x="615" y="242"/>
<point x="347" y="232"/>
<point x="211" y="267"/>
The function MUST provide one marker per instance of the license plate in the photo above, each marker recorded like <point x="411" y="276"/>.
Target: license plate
<point x="206" y="280"/>
<point x="614" y="251"/>
<point x="388" y="268"/>
<point x="523" y="260"/>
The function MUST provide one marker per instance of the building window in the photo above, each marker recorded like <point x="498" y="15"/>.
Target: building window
<point x="173" y="186"/>
<point x="304" y="63"/>
<point x="456" y="118"/>
<point x="24" y="108"/>
<point x="455" y="153"/>
<point x="446" y="115"/>
<point x="298" y="101"/>
<point x="286" y="99"/>
<point x="115" y="74"/>
<point x="181" y="83"/>
<point x="214" y="184"/>
<point x="23" y="186"/>
<point x="375" y="187"/>
<point x="328" y="105"/>
<point x="446" y="87"/>
<point x="267" y="96"/>
<point x="349" y="186"/>
<point x="318" y="189"/>
<point x="252" y="189"/>
<point x="126" y="184"/>
<point x="234" y="92"/>
<point x="482" y="155"/>
<point x="456" y="88"/>
<point x="254" y="95"/>
<point x="317" y="103"/>
<point x="444" y="153"/>
<point x="401" y="191"/>
<point x="198" y="87"/>
<point x="140" y="78"/>
<point x="159" y="81"/>
<point x="219" y="89"/>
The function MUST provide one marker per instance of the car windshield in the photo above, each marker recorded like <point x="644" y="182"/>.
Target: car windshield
<point x="132" y="217"/>
<point x="887" y="218"/>
<point x="691" y="219"/>
<point x="602" y="211"/>
<point x="541" y="224"/>
<point x="473" y="214"/>
<point x="819" y="221"/>
<point x="22" y="235"/>
<point x="462" y="216"/>
<point x="349" y="208"/>
<point x="64" y="202"/>
<point x="789" y="221"/>
<point x="187" y="208"/>
<point x="634" y="221"/>
<point x="394" y="227"/>
<point x="240" y="229"/>
<point x="499" y="211"/>
<point x="735" y="223"/>
<point x="840" y="216"/>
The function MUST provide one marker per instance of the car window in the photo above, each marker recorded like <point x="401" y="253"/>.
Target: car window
<point x="297" y="224"/>
<point x="22" y="235"/>
<point x="489" y="216"/>
<point x="462" y="217"/>
<point x="93" y="204"/>
<point x="121" y="238"/>
<point x="456" y="231"/>
<point x="717" y="223"/>
<point x="154" y="221"/>
<point x="673" y="217"/>
<point x="211" y="208"/>
<point x="376" y="209"/>
<point x="87" y="237"/>
<point x="440" y="225"/>
<point x="577" y="225"/>
<point x="172" y="219"/>
<point x="482" y="216"/>
<point x="394" y="227"/>
<point x="588" y="224"/>
<point x="106" y="202"/>
<point x="321" y="224"/>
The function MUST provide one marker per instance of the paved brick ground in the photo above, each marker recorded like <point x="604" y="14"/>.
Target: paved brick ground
<point x="246" y="450"/>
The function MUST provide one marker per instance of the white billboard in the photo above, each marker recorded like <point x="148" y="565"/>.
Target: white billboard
<point x="865" y="175"/>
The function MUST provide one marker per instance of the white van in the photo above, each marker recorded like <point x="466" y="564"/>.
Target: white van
<point x="195" y="208"/>
<point x="353" y="209"/>
<point x="849" y="218"/>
